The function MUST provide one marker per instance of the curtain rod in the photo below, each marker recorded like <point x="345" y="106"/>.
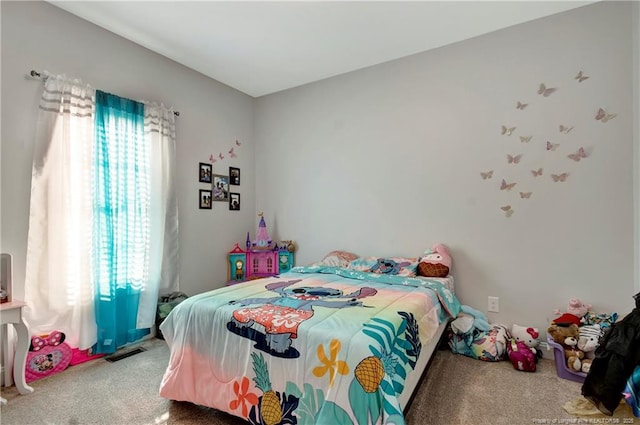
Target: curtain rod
<point x="38" y="75"/>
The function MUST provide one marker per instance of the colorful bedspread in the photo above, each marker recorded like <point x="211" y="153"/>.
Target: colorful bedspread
<point x="318" y="345"/>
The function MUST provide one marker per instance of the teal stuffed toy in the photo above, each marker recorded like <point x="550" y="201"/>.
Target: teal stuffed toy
<point x="469" y="320"/>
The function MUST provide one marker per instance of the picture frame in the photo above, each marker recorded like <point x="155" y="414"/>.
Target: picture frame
<point x="234" y="176"/>
<point x="205" y="199"/>
<point x="205" y="171"/>
<point x="220" y="188"/>
<point x="234" y="201"/>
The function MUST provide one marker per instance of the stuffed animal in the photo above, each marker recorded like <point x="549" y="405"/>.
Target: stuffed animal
<point x="468" y="320"/>
<point x="529" y="336"/>
<point x="436" y="262"/>
<point x="521" y="356"/>
<point x="567" y="337"/>
<point x="588" y="341"/>
<point x="576" y="308"/>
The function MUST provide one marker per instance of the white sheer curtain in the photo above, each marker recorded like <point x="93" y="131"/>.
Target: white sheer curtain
<point x="159" y="128"/>
<point x="58" y="283"/>
<point x="59" y="287"/>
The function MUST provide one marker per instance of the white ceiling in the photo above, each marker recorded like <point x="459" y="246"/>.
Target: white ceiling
<point x="266" y="46"/>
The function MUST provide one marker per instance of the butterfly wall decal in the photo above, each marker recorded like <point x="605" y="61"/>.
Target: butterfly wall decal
<point x="212" y="159"/>
<point x="232" y="154"/>
<point x="604" y="116"/>
<point x="564" y="129"/>
<point x="544" y="91"/>
<point x="525" y="195"/>
<point x="511" y="159"/>
<point x="486" y="175"/>
<point x="537" y="172"/>
<point x="581" y="153"/>
<point x="506" y="186"/>
<point x="581" y="77"/>
<point x="521" y="105"/>
<point x="220" y="156"/>
<point x="552" y="146"/>
<point x="507" y="131"/>
<point x="525" y="139"/>
<point x="238" y="143"/>
<point x="559" y="177"/>
<point x="508" y="211"/>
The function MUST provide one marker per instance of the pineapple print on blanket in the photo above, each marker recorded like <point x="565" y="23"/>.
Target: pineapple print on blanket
<point x="272" y="408"/>
<point x="280" y="316"/>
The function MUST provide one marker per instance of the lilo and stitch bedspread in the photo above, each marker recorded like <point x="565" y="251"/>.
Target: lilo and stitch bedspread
<point x="318" y="345"/>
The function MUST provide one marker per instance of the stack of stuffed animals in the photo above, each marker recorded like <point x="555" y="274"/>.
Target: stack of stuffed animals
<point x="578" y="331"/>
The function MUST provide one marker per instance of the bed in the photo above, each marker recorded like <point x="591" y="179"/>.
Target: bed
<point x="316" y="345"/>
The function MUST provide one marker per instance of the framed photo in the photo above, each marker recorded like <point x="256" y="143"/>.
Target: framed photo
<point x="234" y="201"/>
<point x="234" y="176"/>
<point x="220" y="188"/>
<point x="204" y="172"/>
<point x="205" y="199"/>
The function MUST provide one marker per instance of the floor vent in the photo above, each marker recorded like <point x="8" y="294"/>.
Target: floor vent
<point x="120" y="356"/>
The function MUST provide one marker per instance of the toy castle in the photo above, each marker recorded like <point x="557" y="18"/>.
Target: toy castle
<point x="260" y="258"/>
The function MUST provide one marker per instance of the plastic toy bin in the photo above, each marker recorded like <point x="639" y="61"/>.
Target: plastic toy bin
<point x="561" y="363"/>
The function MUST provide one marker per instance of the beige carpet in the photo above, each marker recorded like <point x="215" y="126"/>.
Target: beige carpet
<point x="457" y="390"/>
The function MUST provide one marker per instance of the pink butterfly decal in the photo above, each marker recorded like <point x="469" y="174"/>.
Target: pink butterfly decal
<point x="525" y="139"/>
<point x="581" y="77"/>
<point x="233" y="155"/>
<point x="544" y="91"/>
<point x="506" y="186"/>
<point x="537" y="172"/>
<point x="220" y="156"/>
<point x="525" y="195"/>
<point x="238" y="143"/>
<point x="508" y="211"/>
<point x="513" y="159"/>
<point x="564" y="129"/>
<point x="507" y="131"/>
<point x="603" y="116"/>
<point x="578" y="155"/>
<point x="559" y="177"/>
<point x="212" y="159"/>
<point x="552" y="146"/>
<point x="486" y="175"/>
<point x="521" y="105"/>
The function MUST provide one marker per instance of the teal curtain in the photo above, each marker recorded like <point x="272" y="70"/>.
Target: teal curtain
<point x="121" y="237"/>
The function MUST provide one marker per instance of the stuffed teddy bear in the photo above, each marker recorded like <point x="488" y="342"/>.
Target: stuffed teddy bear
<point x="529" y="336"/>
<point x="436" y="262"/>
<point x="567" y="337"/>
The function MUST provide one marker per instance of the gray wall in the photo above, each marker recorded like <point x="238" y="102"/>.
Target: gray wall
<point x="387" y="161"/>
<point x="36" y="35"/>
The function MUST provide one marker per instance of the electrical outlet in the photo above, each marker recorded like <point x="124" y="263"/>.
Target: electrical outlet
<point x="494" y="304"/>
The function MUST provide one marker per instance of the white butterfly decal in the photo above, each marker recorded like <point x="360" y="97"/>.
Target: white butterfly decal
<point x="604" y="116"/>
<point x="508" y="211"/>
<point x="581" y="153"/>
<point x="507" y="131"/>
<point x="525" y="139"/>
<point x="506" y="186"/>
<point x="559" y="177"/>
<point x="486" y="175"/>
<point x="544" y="91"/>
<point x="564" y="129"/>
<point x="537" y="172"/>
<point x="552" y="146"/>
<point x="581" y="77"/>
<point x="525" y="195"/>
<point x="521" y="105"/>
<point x="513" y="159"/>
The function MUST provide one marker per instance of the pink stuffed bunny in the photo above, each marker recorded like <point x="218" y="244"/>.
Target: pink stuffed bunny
<point x="576" y="308"/>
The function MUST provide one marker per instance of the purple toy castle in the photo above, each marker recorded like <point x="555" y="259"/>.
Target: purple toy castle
<point x="262" y="254"/>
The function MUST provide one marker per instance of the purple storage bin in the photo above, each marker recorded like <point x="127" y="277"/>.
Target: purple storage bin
<point x="561" y="363"/>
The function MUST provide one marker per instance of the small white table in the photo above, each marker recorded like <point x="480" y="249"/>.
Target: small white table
<point x="11" y="312"/>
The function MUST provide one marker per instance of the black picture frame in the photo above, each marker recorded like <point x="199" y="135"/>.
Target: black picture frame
<point x="205" y="171"/>
<point x="234" y="201"/>
<point x="234" y="176"/>
<point x="205" y="199"/>
<point x="220" y="188"/>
